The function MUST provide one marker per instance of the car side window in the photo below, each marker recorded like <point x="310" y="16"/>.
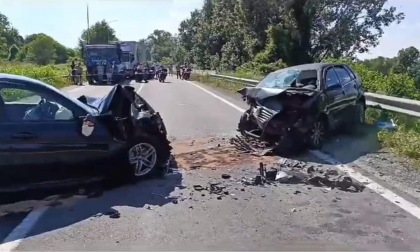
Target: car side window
<point x="22" y="105"/>
<point x="342" y="74"/>
<point x="14" y="95"/>
<point x="331" y="78"/>
<point x="352" y="74"/>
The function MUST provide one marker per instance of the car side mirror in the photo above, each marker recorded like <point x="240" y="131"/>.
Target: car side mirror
<point x="334" y="86"/>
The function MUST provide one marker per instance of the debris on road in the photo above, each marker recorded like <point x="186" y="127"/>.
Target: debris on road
<point x="215" y="153"/>
<point x="252" y="146"/>
<point x="386" y="125"/>
<point x="226" y="176"/>
<point x="113" y="214"/>
<point x="296" y="172"/>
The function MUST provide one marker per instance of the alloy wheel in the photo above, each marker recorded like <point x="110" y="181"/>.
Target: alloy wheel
<point x="142" y="158"/>
<point x="317" y="133"/>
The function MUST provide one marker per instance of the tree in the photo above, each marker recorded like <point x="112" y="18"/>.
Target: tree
<point x="61" y="53"/>
<point x="3" y="47"/>
<point x="381" y="64"/>
<point x="408" y="57"/>
<point x="161" y="43"/>
<point x="99" y="33"/>
<point x="230" y="32"/>
<point x="179" y="54"/>
<point x="13" y="51"/>
<point x="9" y="36"/>
<point x="29" y="38"/>
<point x="42" y="50"/>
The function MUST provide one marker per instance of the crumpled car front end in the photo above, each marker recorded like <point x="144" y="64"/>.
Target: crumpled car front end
<point x="131" y="120"/>
<point x="278" y="116"/>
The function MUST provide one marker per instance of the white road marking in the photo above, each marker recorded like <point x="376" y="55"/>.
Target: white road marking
<point x="140" y="88"/>
<point x="19" y="233"/>
<point x="384" y="192"/>
<point x="218" y="97"/>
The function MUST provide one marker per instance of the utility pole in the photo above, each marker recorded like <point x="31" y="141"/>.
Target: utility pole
<point x="88" y="26"/>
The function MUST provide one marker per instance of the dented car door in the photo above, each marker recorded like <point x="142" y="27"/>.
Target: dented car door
<point x="335" y="96"/>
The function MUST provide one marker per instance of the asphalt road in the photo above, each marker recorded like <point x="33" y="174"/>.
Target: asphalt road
<point x="249" y="218"/>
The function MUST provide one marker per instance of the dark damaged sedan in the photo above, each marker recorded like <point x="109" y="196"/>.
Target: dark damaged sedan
<point x="48" y="138"/>
<point x="298" y="106"/>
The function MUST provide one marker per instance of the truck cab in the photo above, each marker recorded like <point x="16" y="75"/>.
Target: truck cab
<point x="101" y="54"/>
<point x="127" y="60"/>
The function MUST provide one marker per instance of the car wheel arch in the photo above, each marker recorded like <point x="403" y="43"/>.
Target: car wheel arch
<point x="362" y="99"/>
<point x="324" y="117"/>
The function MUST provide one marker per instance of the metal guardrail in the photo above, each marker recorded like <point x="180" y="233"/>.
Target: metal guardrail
<point x="378" y="101"/>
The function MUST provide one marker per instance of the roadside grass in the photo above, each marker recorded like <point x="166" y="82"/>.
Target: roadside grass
<point x="404" y="141"/>
<point x="54" y="75"/>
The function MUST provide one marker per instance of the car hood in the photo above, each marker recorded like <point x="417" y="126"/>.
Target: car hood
<point x="259" y="93"/>
<point x="104" y="105"/>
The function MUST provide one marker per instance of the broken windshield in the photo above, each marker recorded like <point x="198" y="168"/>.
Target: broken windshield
<point x="279" y="79"/>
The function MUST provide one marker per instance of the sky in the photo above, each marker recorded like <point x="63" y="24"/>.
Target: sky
<point x="64" y="20"/>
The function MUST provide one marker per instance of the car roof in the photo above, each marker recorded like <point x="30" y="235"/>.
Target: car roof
<point x="311" y="66"/>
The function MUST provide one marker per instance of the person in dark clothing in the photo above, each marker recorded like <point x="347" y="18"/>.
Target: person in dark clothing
<point x="73" y="71"/>
<point x="178" y="71"/>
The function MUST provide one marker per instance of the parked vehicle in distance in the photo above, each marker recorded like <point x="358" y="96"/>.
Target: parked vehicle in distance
<point x="163" y="74"/>
<point x="141" y="75"/>
<point x="130" y="57"/>
<point x="187" y="74"/>
<point x="151" y="73"/>
<point x="102" y="54"/>
<point x="302" y="104"/>
<point x="48" y="138"/>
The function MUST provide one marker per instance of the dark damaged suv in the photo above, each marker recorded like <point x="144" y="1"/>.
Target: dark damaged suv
<point x="301" y="104"/>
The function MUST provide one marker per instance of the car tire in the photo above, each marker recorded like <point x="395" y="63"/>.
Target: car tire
<point x="159" y="151"/>
<point x="317" y="134"/>
<point x="357" y="120"/>
<point x="360" y="113"/>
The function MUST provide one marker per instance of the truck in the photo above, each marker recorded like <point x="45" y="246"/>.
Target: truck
<point x="102" y="54"/>
<point x="130" y="57"/>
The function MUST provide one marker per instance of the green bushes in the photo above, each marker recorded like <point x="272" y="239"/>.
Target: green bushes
<point x="56" y="76"/>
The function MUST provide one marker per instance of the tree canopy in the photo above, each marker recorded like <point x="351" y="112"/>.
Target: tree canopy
<point x="37" y="48"/>
<point x="227" y="33"/>
<point x="99" y="33"/>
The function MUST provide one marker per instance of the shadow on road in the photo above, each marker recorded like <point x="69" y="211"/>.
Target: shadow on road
<point x="70" y="207"/>
<point x="349" y="147"/>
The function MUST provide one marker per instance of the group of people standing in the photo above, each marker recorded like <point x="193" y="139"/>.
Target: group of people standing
<point x="180" y="71"/>
<point x="76" y="72"/>
<point x="109" y="70"/>
<point x="102" y="70"/>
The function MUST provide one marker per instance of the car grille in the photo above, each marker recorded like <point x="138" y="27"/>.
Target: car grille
<point x="263" y="114"/>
